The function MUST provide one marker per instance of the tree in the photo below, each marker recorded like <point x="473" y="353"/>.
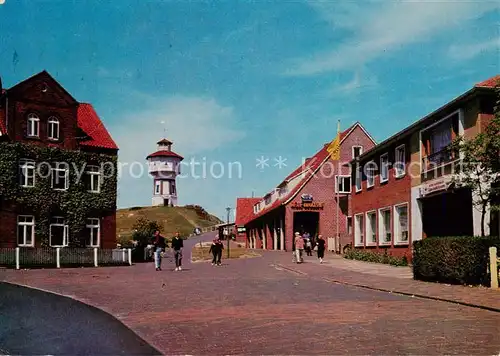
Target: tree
<point x="144" y="230"/>
<point x="480" y="166"/>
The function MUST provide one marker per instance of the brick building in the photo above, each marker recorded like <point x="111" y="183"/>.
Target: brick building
<point x="305" y="200"/>
<point x="402" y="189"/>
<point x="39" y="118"/>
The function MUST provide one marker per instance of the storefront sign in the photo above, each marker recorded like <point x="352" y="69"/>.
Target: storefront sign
<point x="307" y="206"/>
<point x="241" y="229"/>
<point x="436" y="186"/>
<point x="306" y="198"/>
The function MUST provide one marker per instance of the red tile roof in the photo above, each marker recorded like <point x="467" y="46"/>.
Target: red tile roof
<point x="89" y="122"/>
<point x="489" y="83"/>
<point x="164" y="141"/>
<point x="244" y="210"/>
<point x="165" y="153"/>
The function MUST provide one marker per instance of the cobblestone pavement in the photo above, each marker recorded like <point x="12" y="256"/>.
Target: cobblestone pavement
<point x="254" y="306"/>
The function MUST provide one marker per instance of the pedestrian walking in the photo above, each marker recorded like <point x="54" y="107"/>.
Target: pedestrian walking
<point x="308" y="245"/>
<point x="320" y="244"/>
<point x="159" y="246"/>
<point x="177" y="246"/>
<point x="299" y="247"/>
<point x="216" y="249"/>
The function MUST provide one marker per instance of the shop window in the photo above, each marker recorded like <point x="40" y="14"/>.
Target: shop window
<point x="371" y="228"/>
<point x="401" y="223"/>
<point x="385" y="226"/>
<point x="359" y="237"/>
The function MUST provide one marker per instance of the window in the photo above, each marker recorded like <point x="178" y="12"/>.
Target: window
<point x="283" y="191"/>
<point x="356" y="151"/>
<point x="401" y="223"/>
<point x="371" y="228"/>
<point x="92" y="179"/>
<point x="370" y="169"/>
<point x="172" y="188"/>
<point x="59" y="232"/>
<point x="400" y="165"/>
<point x="437" y="139"/>
<point x="27" y="173"/>
<point x="384" y="168"/>
<point x="25" y="230"/>
<point x="33" y="125"/>
<point x="157" y="186"/>
<point x="349" y="225"/>
<point x="60" y="176"/>
<point x="343" y="184"/>
<point x="359" y="178"/>
<point x="385" y="226"/>
<point x="53" y="128"/>
<point x="93" y="232"/>
<point x="358" y="230"/>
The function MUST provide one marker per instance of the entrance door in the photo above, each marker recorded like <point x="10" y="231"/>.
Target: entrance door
<point x="306" y="221"/>
<point x="448" y="214"/>
<point x="166" y="202"/>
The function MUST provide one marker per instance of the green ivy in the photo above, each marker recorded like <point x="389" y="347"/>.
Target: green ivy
<point x="76" y="204"/>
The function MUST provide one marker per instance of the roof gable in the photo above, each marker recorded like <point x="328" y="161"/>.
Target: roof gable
<point x="42" y="87"/>
<point x="489" y="83"/>
<point x="244" y="210"/>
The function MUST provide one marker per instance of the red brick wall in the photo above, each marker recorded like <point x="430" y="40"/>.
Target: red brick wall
<point x="388" y="194"/>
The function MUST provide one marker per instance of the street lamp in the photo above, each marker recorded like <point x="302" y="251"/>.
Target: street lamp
<point x="228" y="210"/>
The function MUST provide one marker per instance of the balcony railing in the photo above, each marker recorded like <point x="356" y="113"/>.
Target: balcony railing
<point x="439" y="158"/>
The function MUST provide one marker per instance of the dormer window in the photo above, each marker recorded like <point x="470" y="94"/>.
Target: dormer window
<point x="53" y="128"/>
<point x="33" y="125"/>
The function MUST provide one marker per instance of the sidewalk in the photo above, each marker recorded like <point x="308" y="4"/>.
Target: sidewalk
<point x="386" y="278"/>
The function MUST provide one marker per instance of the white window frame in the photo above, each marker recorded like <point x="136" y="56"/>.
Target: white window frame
<point x="53" y="128"/>
<point x="359" y="240"/>
<point x="384" y="167"/>
<point x="25" y="164"/>
<point x="371" y="166"/>
<point x="395" y="218"/>
<point x="65" y="231"/>
<point x="337" y="190"/>
<point x="369" y="234"/>
<point x="360" y="150"/>
<point x="381" y="233"/>
<point x="157" y="187"/>
<point x="359" y="178"/>
<point x="33" y="129"/>
<point x="94" y="173"/>
<point x="94" y="223"/>
<point x="56" y="168"/>
<point x="400" y="167"/>
<point x="25" y="224"/>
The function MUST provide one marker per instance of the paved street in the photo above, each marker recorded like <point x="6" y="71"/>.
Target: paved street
<point x="254" y="306"/>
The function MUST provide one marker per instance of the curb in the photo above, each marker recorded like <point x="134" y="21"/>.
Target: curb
<point x="420" y="296"/>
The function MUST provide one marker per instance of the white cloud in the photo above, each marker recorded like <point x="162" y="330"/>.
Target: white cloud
<point x="196" y="125"/>
<point x="379" y="28"/>
<point x="359" y="83"/>
<point x="472" y="50"/>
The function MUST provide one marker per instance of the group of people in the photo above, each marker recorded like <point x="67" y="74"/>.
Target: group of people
<point x="216" y="250"/>
<point x="160" y="245"/>
<point x="305" y="242"/>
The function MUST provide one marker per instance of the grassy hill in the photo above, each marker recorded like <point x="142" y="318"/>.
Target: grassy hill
<point x="183" y="219"/>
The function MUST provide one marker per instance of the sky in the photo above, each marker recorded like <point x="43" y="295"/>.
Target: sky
<point x="231" y="82"/>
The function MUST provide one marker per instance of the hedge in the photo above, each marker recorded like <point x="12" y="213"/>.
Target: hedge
<point x="368" y="256"/>
<point x="453" y="260"/>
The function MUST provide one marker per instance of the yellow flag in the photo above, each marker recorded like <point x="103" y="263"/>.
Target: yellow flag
<point x="334" y="146"/>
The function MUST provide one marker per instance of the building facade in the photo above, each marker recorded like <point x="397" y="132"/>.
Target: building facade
<point x="402" y="189"/>
<point x="58" y="169"/>
<point x="164" y="166"/>
<point x="305" y="201"/>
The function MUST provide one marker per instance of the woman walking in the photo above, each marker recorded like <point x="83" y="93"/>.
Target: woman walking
<point x="320" y="244"/>
<point x="299" y="247"/>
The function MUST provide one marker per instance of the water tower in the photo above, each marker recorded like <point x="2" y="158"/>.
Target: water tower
<point x="164" y="166"/>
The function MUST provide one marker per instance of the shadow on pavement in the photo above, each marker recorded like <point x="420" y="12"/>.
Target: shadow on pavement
<point x="36" y="322"/>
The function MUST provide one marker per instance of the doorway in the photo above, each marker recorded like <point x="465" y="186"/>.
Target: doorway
<point x="306" y="221"/>
<point x="448" y="214"/>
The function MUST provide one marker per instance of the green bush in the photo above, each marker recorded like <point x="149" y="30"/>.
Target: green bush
<point x="453" y="260"/>
<point x="369" y="256"/>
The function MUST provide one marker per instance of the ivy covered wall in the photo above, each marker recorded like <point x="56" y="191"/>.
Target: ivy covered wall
<point x="75" y="204"/>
